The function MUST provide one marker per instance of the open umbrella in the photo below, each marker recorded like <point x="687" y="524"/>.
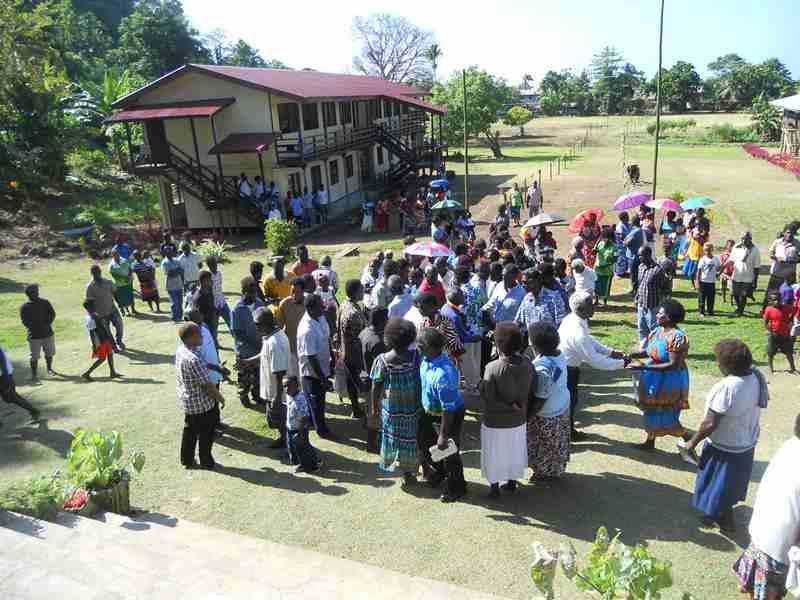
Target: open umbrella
<point x="440" y="183"/>
<point x="543" y="219"/>
<point x="429" y="249"/>
<point x="695" y="202"/>
<point x="445" y="204"/>
<point x="577" y="222"/>
<point x="664" y="204"/>
<point x="631" y="200"/>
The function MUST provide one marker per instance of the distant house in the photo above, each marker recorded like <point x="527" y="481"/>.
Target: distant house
<point x="203" y="125"/>
<point x="530" y="99"/>
<point x="790" y="126"/>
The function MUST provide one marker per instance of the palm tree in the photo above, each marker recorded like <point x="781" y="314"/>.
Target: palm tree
<point x="433" y="54"/>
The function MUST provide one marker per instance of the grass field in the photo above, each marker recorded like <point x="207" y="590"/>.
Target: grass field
<point x="351" y="509"/>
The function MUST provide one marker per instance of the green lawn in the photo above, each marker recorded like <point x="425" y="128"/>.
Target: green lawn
<point x="351" y="509"/>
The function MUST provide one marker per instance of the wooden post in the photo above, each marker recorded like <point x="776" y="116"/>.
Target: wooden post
<point x="559" y="166"/>
<point x="540" y="177"/>
<point x="194" y="141"/>
<point x="219" y="158"/>
<point x="466" y="146"/>
<point x="550" y="163"/>
<point x="130" y="143"/>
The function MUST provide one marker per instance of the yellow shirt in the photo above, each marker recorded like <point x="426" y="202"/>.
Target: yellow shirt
<point x="277" y="289"/>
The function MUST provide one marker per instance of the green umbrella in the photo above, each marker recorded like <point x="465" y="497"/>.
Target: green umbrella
<point x="445" y="204"/>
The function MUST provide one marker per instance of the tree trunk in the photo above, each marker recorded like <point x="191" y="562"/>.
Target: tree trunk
<point x="493" y="139"/>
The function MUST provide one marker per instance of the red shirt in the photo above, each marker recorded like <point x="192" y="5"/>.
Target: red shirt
<point x="436" y="289"/>
<point x="300" y="268"/>
<point x="779" y="319"/>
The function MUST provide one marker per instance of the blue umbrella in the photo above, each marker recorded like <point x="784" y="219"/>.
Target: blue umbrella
<point x="696" y="202"/>
<point x="440" y="183"/>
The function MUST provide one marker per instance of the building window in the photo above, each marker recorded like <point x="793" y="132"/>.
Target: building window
<point x="405" y="109"/>
<point x="310" y="116"/>
<point x="294" y="183"/>
<point x="345" y="113"/>
<point x="329" y="114"/>
<point x="316" y="177"/>
<point x="349" y="168"/>
<point x="333" y="171"/>
<point x="380" y="155"/>
<point x="289" y="117"/>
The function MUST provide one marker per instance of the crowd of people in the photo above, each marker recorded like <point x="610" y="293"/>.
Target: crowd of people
<point x="499" y="325"/>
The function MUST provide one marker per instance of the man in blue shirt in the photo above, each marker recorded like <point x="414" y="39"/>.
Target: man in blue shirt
<point x="506" y="297"/>
<point x="247" y="342"/>
<point x="453" y="311"/>
<point x="444" y="410"/>
<point x="296" y="203"/>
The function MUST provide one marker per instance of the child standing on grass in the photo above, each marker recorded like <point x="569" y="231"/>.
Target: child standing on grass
<point x="708" y="267"/>
<point x="102" y="342"/>
<point x="778" y="322"/>
<point x="298" y="421"/>
<point x="727" y="270"/>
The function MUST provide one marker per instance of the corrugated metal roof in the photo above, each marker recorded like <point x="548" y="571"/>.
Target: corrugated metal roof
<point x="791" y="103"/>
<point x="241" y="143"/>
<point x="174" y="110"/>
<point x="301" y="85"/>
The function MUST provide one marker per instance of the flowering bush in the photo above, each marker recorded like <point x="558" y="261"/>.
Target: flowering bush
<point x="780" y="159"/>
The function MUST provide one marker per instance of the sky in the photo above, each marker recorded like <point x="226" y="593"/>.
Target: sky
<point x="512" y="37"/>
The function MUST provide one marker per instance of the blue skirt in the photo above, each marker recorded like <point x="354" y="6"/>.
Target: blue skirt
<point x="722" y="480"/>
<point x="689" y="267"/>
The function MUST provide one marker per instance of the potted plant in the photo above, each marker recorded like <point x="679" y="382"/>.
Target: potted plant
<point x="95" y="464"/>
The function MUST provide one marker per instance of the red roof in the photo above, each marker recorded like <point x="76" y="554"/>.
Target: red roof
<point x="172" y="110"/>
<point x="302" y="85"/>
<point x="241" y="143"/>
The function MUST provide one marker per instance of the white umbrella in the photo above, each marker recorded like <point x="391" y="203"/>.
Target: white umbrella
<point x="544" y="219"/>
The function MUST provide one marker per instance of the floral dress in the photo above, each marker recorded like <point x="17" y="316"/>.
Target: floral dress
<point x="664" y="394"/>
<point x="400" y="410"/>
<point x="122" y="275"/>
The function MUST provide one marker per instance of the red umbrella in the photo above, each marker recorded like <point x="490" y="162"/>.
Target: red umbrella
<point x="577" y="223"/>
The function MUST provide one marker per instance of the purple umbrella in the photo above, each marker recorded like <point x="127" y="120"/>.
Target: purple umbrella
<point x="631" y="200"/>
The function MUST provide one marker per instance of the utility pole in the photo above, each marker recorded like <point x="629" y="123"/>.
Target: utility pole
<point x="466" y="147"/>
<point x="658" y="98"/>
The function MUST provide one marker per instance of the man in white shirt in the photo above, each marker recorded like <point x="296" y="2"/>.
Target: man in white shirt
<point x="245" y="189"/>
<point x="578" y="347"/>
<point x="402" y="301"/>
<point x="322" y="198"/>
<point x="585" y="277"/>
<point x="273" y="363"/>
<point x="746" y="260"/>
<point x="190" y="263"/>
<point x="325" y="269"/>
<point x="314" y="355"/>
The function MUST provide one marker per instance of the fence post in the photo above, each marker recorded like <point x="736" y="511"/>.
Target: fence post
<point x="559" y="166"/>
<point x="550" y="163"/>
<point x="540" y="177"/>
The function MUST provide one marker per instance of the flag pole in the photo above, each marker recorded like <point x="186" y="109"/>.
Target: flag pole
<point x="658" y="97"/>
<point x="466" y="147"/>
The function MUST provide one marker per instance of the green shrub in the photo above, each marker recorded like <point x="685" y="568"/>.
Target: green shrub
<point x="209" y="248"/>
<point x="95" y="460"/>
<point x="728" y="134"/>
<point x="40" y="497"/>
<point x="280" y="236"/>
<point x="667" y="124"/>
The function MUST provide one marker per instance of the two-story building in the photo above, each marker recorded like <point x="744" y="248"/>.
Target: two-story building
<point x="203" y="125"/>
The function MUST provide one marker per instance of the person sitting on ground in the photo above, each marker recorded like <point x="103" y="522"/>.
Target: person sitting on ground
<point x="304" y="263"/>
<point x="198" y="397"/>
<point x="444" y="406"/>
<point x="778" y="320"/>
<point x="102" y="342"/>
<point x="506" y="388"/>
<point x="8" y="390"/>
<point x="38" y="315"/>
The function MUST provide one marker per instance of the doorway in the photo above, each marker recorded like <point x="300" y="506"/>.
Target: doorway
<point x="157" y="140"/>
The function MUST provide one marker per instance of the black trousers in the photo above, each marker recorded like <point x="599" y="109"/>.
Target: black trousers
<point x="315" y="394"/>
<point x="199" y="429"/>
<point x="705" y="297"/>
<point x="451" y="469"/>
<point x="634" y="270"/>
<point x="9" y="394"/>
<point x="573" y="378"/>
<point x="486" y="354"/>
<point x="740" y="290"/>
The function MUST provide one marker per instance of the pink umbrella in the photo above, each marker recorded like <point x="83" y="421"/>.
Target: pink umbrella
<point x="664" y="204"/>
<point x="429" y="249"/>
<point x="631" y="200"/>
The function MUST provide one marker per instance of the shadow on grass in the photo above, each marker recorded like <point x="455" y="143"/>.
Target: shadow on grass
<point x="142" y="357"/>
<point x="15" y="443"/>
<point x="10" y="286"/>
<point x="268" y="477"/>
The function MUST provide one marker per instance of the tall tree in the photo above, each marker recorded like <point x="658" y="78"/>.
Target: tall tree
<point x="680" y="87"/>
<point x="726" y="64"/>
<point x="109" y="12"/>
<point x="392" y="48"/>
<point x="434" y="55"/>
<point x="157" y="38"/>
<point x="604" y="68"/>
<point x="243" y="54"/>
<point x="487" y="95"/>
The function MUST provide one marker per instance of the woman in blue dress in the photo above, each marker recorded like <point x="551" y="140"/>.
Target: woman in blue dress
<point x="663" y="388"/>
<point x="621" y="231"/>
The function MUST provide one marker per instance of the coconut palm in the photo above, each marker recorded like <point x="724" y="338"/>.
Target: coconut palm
<point x="433" y="54"/>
